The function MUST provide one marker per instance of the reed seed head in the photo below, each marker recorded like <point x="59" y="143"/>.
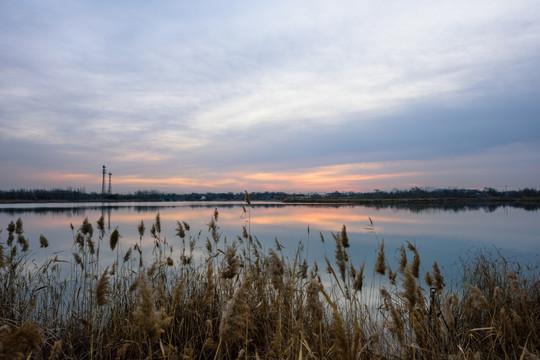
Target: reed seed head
<point x="103" y="289"/>
<point x="19" y="227"/>
<point x="78" y="260"/>
<point x="402" y="259"/>
<point x="344" y="237"/>
<point x="180" y="230"/>
<point x="11" y="227"/>
<point x="86" y="228"/>
<point x="380" y="265"/>
<point x="127" y="256"/>
<point x="359" y="280"/>
<point x="439" y="279"/>
<point x="141" y="229"/>
<point x="157" y="223"/>
<point x="101" y="224"/>
<point x="21" y="240"/>
<point x="415" y="266"/>
<point x="43" y="242"/>
<point x="147" y="318"/>
<point x="232" y="262"/>
<point x="410" y="287"/>
<point x="115" y="236"/>
<point x="429" y="279"/>
<point x="276" y="269"/>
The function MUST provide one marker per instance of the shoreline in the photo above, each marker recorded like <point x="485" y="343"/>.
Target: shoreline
<point x="417" y="201"/>
<point x="326" y="201"/>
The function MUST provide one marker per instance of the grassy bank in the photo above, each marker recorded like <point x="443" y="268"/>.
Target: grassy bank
<point x="230" y="299"/>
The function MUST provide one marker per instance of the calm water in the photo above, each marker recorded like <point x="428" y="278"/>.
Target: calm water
<point x="440" y="234"/>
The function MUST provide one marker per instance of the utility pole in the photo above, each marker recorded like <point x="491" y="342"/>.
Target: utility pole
<point x="104" y="171"/>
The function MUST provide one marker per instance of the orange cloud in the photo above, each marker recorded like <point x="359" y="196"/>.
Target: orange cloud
<point x="348" y="176"/>
<point x="344" y="177"/>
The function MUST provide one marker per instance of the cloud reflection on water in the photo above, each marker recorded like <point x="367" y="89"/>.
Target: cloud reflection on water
<point x="442" y="236"/>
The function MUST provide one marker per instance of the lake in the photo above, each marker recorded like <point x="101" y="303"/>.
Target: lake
<point x="445" y="235"/>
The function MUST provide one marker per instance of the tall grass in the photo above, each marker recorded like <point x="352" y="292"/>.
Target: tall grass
<point x="239" y="301"/>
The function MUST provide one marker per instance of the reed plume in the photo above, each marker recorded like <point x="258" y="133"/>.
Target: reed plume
<point x="235" y="320"/>
<point x="103" y="290"/>
<point x="113" y="240"/>
<point x="43" y="242"/>
<point x="380" y="265"/>
<point x="147" y="318"/>
<point x="232" y="262"/>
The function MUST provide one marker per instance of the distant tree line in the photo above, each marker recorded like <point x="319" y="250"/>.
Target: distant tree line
<point x="427" y="193"/>
<point x="68" y="194"/>
<point x="80" y="194"/>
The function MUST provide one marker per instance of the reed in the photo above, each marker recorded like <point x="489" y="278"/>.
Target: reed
<point x="241" y="301"/>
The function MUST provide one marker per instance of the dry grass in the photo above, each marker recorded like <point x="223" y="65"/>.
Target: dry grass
<point x="241" y="302"/>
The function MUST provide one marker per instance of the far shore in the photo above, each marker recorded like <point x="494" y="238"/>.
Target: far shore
<point x="418" y="201"/>
<point x="331" y="201"/>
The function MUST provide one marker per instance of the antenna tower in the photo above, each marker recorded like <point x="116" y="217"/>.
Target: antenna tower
<point x="110" y="175"/>
<point x="104" y="171"/>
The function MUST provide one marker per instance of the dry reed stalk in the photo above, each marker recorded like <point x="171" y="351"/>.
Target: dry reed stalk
<point x="341" y="343"/>
<point x="148" y="319"/>
<point x="410" y="287"/>
<point x="439" y="279"/>
<point x="341" y="257"/>
<point x="232" y="262"/>
<point x="210" y="290"/>
<point x="178" y="294"/>
<point x="402" y="259"/>
<point x="235" y="319"/>
<point x="380" y="265"/>
<point x="2" y="261"/>
<point x="19" y="343"/>
<point x="276" y="269"/>
<point x="78" y="260"/>
<point x="314" y="306"/>
<point x="209" y="343"/>
<point x="103" y="289"/>
<point x="56" y="350"/>
<point x="428" y="279"/>
<point x="359" y="278"/>
<point x="396" y="327"/>
<point x="415" y="266"/>
<point x="476" y="300"/>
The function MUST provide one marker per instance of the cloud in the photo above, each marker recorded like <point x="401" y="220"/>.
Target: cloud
<point x="265" y="88"/>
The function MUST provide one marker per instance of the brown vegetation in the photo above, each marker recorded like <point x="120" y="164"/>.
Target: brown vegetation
<point x="240" y="302"/>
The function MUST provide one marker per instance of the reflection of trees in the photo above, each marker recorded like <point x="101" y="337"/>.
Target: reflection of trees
<point x="107" y="208"/>
<point x="453" y="208"/>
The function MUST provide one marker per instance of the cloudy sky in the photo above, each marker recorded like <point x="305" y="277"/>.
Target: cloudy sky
<point x="270" y="95"/>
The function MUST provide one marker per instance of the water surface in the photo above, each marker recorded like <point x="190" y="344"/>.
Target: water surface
<point x="442" y="235"/>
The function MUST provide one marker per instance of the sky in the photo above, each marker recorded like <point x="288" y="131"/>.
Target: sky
<point x="304" y="95"/>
